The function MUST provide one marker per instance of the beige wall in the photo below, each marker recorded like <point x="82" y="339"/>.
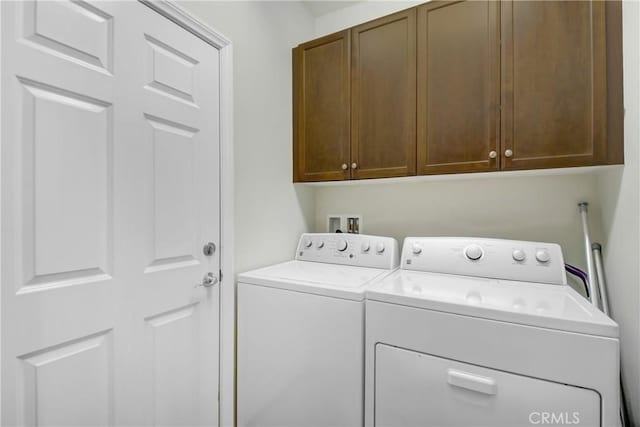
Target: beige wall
<point x="620" y="191"/>
<point x="270" y="213"/>
<point x="542" y="208"/>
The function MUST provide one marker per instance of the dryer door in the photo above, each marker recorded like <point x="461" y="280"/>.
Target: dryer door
<point x="415" y="389"/>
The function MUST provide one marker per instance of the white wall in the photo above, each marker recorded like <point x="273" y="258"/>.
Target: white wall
<point x="270" y="213"/>
<point x="620" y="191"/>
<point x="358" y="14"/>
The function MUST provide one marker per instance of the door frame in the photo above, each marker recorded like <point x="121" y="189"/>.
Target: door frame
<point x="226" y="369"/>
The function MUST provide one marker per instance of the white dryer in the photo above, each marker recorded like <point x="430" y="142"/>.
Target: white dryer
<point x="485" y="332"/>
<point x="301" y="332"/>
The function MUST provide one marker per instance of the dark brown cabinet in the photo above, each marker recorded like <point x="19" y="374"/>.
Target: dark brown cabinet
<point x="554" y="94"/>
<point x="322" y="109"/>
<point x="462" y="86"/>
<point x="458" y="87"/>
<point x="383" y="97"/>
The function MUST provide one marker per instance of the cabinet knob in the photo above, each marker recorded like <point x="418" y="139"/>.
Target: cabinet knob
<point x="508" y="153"/>
<point x="344" y="167"/>
<point x="354" y="165"/>
<point x="493" y="154"/>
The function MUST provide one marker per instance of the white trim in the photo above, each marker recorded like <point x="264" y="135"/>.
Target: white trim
<point x="1" y="147"/>
<point x="169" y="9"/>
<point x="175" y="13"/>
<point x="228" y="288"/>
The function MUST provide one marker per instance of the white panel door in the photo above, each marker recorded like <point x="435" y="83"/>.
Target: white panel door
<point x="110" y="190"/>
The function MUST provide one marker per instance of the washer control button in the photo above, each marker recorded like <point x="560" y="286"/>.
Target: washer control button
<point x="519" y="255"/>
<point x="473" y="252"/>
<point x="342" y="245"/>
<point x="319" y="244"/>
<point x="365" y="246"/>
<point x="380" y="247"/>
<point x="416" y="248"/>
<point x="543" y="256"/>
<point x="307" y="242"/>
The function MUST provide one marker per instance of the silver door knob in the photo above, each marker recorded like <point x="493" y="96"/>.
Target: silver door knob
<point x="345" y="167"/>
<point x="508" y="153"/>
<point x="493" y="154"/>
<point x="209" y="249"/>
<point x="354" y="165"/>
<point x="208" y="280"/>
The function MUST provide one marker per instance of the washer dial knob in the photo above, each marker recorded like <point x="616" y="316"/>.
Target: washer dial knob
<point x="342" y="245"/>
<point x="519" y="255"/>
<point x="307" y="242"/>
<point x="543" y="256"/>
<point x="380" y="247"/>
<point x="416" y="248"/>
<point x="365" y="246"/>
<point x="319" y="244"/>
<point x="473" y="252"/>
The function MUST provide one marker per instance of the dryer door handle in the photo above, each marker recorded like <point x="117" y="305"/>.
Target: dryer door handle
<point x="472" y="382"/>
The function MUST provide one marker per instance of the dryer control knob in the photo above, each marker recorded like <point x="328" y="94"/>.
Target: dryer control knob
<point x="518" y="255"/>
<point x="380" y="247"/>
<point x="307" y="242"/>
<point x="365" y="246"/>
<point x="473" y="252"/>
<point x="342" y="245"/>
<point x="416" y="248"/>
<point x="543" y="256"/>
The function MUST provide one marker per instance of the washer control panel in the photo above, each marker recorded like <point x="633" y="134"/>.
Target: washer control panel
<point x="349" y="249"/>
<point x="490" y="258"/>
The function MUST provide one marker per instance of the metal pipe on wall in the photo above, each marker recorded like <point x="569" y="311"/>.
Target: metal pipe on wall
<point x="602" y="282"/>
<point x="593" y="291"/>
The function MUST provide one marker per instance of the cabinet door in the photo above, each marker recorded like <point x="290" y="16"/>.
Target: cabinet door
<point x="458" y="86"/>
<point x="553" y="84"/>
<point x="383" y="134"/>
<point x="322" y="85"/>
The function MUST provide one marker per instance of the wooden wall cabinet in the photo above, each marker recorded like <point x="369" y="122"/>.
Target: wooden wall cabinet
<point x="322" y="109"/>
<point x="462" y="86"/>
<point x="554" y="84"/>
<point x="458" y="87"/>
<point x="383" y="97"/>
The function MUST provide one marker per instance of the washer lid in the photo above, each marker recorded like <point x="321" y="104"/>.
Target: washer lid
<point x="316" y="278"/>
<point x="535" y="304"/>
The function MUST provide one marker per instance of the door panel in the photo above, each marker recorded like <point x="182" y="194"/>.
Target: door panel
<point x="110" y="189"/>
<point x="52" y="395"/>
<point x="553" y="84"/>
<point x="173" y="178"/>
<point x="65" y="135"/>
<point x="383" y="133"/>
<point x="458" y="86"/>
<point x="77" y="31"/>
<point x="322" y="80"/>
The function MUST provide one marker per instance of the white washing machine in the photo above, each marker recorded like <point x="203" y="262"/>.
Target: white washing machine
<point x="301" y="332"/>
<point x="484" y="332"/>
